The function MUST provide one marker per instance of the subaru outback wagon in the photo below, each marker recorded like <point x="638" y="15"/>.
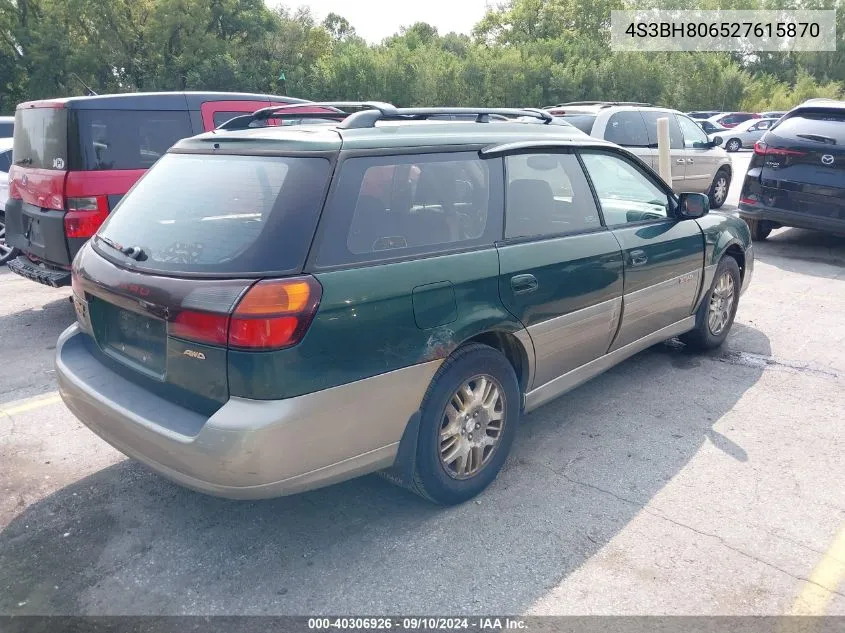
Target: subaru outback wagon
<point x="271" y="310"/>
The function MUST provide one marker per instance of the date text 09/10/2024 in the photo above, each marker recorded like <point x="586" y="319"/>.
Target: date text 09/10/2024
<point x="417" y="624"/>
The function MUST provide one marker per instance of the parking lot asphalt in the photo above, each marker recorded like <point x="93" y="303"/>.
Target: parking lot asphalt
<point x="674" y="484"/>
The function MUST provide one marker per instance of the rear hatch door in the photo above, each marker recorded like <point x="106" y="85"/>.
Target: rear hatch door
<point x="803" y="168"/>
<point x="156" y="286"/>
<point x="35" y="216"/>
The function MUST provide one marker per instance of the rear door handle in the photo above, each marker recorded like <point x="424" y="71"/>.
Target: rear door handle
<point x="523" y="284"/>
<point x="680" y="161"/>
<point x="690" y="161"/>
<point x="638" y="258"/>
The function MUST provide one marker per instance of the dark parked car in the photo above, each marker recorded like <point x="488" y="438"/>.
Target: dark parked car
<point x="797" y="173"/>
<point x="703" y="114"/>
<point x="711" y="128"/>
<point x="731" y="119"/>
<point x="274" y="310"/>
<point x="75" y="158"/>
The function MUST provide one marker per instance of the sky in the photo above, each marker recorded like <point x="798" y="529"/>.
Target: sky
<point x="376" y="19"/>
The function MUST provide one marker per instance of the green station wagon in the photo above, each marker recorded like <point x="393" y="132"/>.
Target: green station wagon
<point x="274" y="309"/>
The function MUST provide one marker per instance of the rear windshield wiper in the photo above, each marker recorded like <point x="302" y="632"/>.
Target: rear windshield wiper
<point x="24" y="161"/>
<point x="134" y="252"/>
<point x="818" y="138"/>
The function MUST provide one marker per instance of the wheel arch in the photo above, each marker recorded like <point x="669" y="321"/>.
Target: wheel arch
<point x="515" y="346"/>
<point x="736" y="251"/>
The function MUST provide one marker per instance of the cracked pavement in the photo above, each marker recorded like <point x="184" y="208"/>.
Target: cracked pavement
<point x="674" y="484"/>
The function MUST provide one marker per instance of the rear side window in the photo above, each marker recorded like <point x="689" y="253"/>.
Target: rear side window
<point x="583" y="122"/>
<point x="220" y="214"/>
<point x="811" y="126"/>
<point x="41" y="138"/>
<point x="676" y="139"/>
<point x="5" y="160"/>
<point x="393" y="206"/>
<point x="6" y="129"/>
<point x="127" y="139"/>
<point x="221" y="117"/>
<point x="627" y="129"/>
<point x="547" y="194"/>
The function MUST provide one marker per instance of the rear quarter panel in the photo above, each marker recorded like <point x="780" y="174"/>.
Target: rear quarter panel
<point x="367" y="325"/>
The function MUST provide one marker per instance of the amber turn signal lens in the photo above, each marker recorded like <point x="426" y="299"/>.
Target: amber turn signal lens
<point x="276" y="297"/>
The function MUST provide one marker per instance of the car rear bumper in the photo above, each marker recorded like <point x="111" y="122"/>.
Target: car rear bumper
<point x="247" y="449"/>
<point x="791" y="218"/>
<point x="43" y="274"/>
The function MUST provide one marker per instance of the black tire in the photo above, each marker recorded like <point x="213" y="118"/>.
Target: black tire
<point x="733" y="145"/>
<point x="431" y="479"/>
<point x="760" y="229"/>
<point x="12" y="253"/>
<point x="702" y="337"/>
<point x="719" y="188"/>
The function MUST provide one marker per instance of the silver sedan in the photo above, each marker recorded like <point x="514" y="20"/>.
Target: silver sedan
<point x="745" y="134"/>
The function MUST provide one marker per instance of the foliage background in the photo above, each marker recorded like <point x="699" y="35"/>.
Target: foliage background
<point x="523" y="53"/>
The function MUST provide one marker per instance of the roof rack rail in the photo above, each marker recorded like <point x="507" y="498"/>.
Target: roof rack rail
<point x="606" y="104"/>
<point x="245" y="120"/>
<point x="372" y="111"/>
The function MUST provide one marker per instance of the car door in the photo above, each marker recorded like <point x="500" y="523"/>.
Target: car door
<point x="663" y="256"/>
<point x="676" y="145"/>
<point x="702" y="160"/>
<point x="560" y="268"/>
<point x="755" y="132"/>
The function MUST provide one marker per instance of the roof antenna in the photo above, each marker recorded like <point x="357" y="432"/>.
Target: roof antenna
<point x="89" y="91"/>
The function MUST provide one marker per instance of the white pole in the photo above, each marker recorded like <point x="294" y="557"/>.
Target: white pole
<point x="664" y="160"/>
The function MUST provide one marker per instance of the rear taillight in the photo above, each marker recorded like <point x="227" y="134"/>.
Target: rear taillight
<point x="763" y="149"/>
<point x="14" y="192"/>
<point x="203" y="327"/>
<point x="273" y="314"/>
<point x="85" y="215"/>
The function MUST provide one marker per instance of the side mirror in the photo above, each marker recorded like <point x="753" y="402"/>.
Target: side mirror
<point x="717" y="141"/>
<point x="693" y="205"/>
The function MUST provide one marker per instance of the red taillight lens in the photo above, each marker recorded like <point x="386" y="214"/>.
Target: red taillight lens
<point x="85" y="215"/>
<point x="14" y="193"/>
<point x="203" y="327"/>
<point x="274" y="313"/>
<point x="764" y="149"/>
<point x="268" y="333"/>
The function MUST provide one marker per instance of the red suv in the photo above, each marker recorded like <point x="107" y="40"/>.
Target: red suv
<point x="75" y="158"/>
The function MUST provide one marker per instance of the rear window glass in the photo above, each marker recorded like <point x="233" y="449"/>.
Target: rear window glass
<point x="127" y="139"/>
<point x="220" y="214"/>
<point x="5" y="160"/>
<point x="6" y="129"/>
<point x="627" y="129"/>
<point x="815" y="124"/>
<point x="583" y="122"/>
<point x="41" y="138"/>
<point x="394" y="206"/>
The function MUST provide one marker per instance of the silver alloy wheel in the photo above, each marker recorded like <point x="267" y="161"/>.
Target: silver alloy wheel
<point x="721" y="304"/>
<point x="734" y="145"/>
<point x="720" y="189"/>
<point x="472" y="426"/>
<point x="5" y="249"/>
